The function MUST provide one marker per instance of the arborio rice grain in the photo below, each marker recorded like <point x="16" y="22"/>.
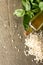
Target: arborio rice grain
<point x="35" y="43"/>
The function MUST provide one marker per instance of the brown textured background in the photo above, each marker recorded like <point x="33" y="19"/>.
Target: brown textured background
<point x="11" y="36"/>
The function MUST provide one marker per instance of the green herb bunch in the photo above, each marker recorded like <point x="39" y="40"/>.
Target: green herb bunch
<point x="29" y="10"/>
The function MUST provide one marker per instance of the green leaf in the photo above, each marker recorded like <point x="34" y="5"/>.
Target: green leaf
<point x="35" y="7"/>
<point x="38" y="1"/>
<point x="19" y="12"/>
<point x="23" y="2"/>
<point x="30" y="13"/>
<point x="31" y="1"/>
<point x="37" y="10"/>
<point x="41" y="5"/>
<point x="26" y="4"/>
<point x="26" y="21"/>
<point x="35" y="4"/>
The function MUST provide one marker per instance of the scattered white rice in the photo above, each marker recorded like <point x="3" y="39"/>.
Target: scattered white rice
<point x="12" y="40"/>
<point x="35" y="43"/>
<point x="15" y="26"/>
<point x="18" y="50"/>
<point x="20" y="37"/>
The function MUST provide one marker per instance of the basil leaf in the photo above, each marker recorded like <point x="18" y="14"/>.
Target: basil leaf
<point x="38" y="1"/>
<point x="26" y="21"/>
<point x="31" y="1"/>
<point x="30" y="13"/>
<point x="19" y="12"/>
<point x="41" y="5"/>
<point x="35" y="11"/>
<point x="34" y="5"/>
<point x="26" y="4"/>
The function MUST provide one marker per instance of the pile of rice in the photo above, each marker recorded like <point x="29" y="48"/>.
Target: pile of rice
<point x="35" y="43"/>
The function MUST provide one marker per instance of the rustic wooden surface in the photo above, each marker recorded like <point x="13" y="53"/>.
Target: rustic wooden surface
<point x="11" y="36"/>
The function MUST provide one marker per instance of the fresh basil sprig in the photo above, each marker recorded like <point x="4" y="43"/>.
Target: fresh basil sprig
<point x="29" y="10"/>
